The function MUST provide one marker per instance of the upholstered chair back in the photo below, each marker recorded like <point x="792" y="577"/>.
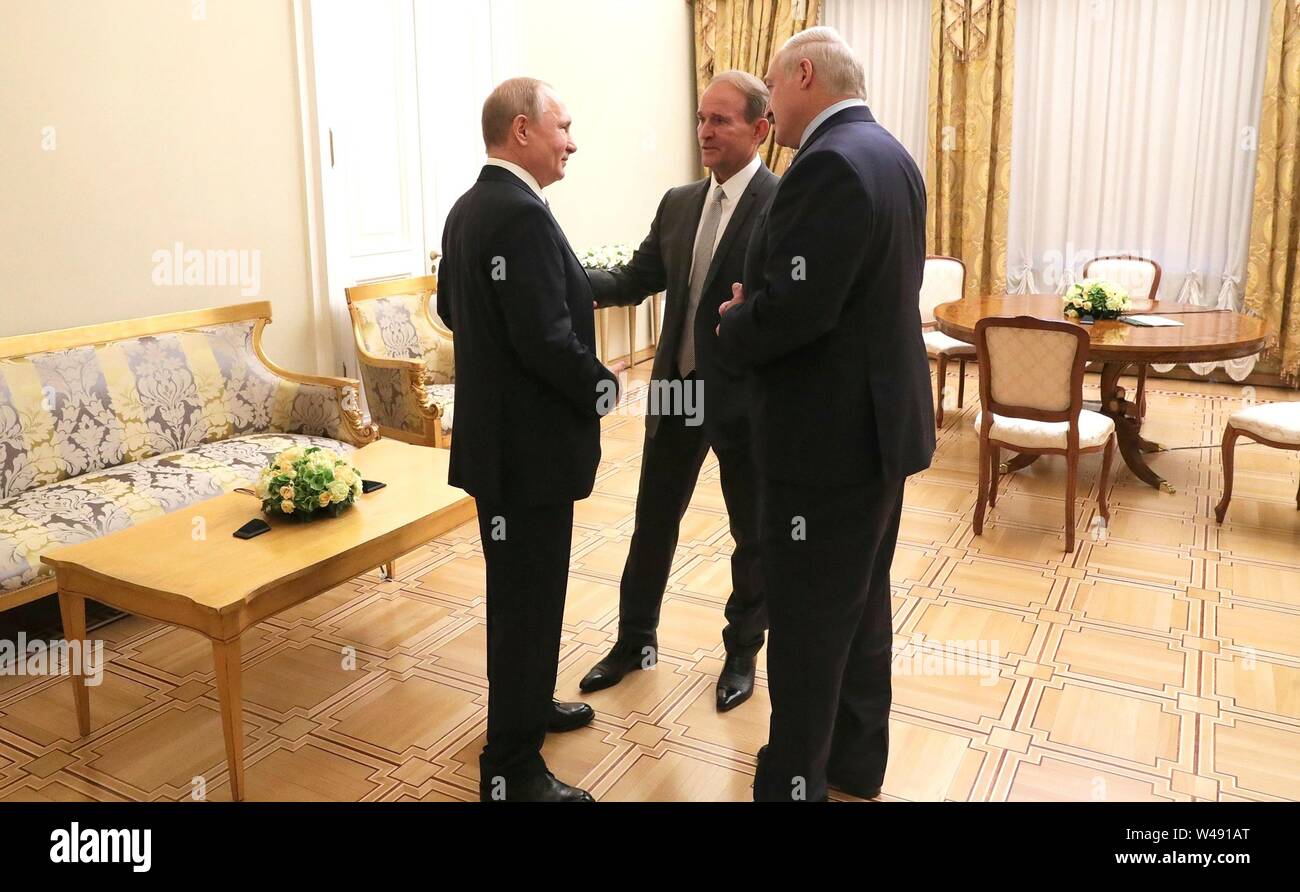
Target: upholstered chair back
<point x="400" y="326"/>
<point x="1139" y="276"/>
<point x="1032" y="368"/>
<point x="74" y="411"/>
<point x="944" y="280"/>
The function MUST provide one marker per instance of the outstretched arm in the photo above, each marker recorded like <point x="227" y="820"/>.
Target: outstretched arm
<point x="634" y="281"/>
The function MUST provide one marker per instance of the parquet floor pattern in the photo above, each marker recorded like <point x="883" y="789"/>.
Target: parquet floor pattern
<point x="1160" y="661"/>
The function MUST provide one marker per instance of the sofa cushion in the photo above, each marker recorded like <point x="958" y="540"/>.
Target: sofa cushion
<point x="103" y="501"/>
<point x="67" y="413"/>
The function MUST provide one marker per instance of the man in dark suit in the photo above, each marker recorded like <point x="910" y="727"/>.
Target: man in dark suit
<point x="529" y="396"/>
<point x="695" y="249"/>
<point x="829" y="323"/>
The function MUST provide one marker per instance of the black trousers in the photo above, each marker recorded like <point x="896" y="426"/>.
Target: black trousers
<point x="670" y="466"/>
<point x="526" y="550"/>
<point x="826" y="556"/>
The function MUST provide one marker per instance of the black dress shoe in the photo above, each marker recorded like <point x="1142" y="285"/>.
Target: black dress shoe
<point x="736" y="682"/>
<point x="569" y="716"/>
<point x="543" y="788"/>
<point x="623" y="658"/>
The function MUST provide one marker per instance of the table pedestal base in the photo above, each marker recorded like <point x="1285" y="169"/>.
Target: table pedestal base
<point x="1127" y="416"/>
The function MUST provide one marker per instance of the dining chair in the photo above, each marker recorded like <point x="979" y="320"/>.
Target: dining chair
<point x="944" y="280"/>
<point x="1273" y="424"/>
<point x="1140" y="276"/>
<point x="1031" y="401"/>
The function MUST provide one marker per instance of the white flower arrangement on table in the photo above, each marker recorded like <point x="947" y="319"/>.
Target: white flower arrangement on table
<point x="606" y="257"/>
<point x="1097" y="298"/>
<point x="304" y="482"/>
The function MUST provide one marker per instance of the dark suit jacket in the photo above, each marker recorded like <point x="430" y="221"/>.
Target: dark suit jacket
<point x="831" y="325"/>
<point x="527" y="379"/>
<point x="663" y="263"/>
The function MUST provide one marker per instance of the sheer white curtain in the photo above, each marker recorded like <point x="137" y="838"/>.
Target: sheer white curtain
<point x="892" y="38"/>
<point x="1134" y="133"/>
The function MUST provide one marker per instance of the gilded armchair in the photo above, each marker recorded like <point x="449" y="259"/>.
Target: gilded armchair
<point x="406" y="357"/>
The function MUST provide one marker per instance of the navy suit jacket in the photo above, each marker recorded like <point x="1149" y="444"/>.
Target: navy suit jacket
<point x="529" y="389"/>
<point x="831" y="325"/>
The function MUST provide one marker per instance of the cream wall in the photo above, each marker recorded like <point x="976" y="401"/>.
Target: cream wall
<point x="625" y="68"/>
<point x="166" y="129"/>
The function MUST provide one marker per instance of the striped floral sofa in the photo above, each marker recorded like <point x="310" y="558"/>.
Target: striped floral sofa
<point x="106" y="426"/>
<point x="407" y="360"/>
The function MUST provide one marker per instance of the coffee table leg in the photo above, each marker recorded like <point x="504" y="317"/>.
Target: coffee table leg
<point x="225" y="656"/>
<point x="1128" y="427"/>
<point x="72" y="608"/>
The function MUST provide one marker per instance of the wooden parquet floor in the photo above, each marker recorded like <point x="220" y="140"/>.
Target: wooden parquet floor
<point x="1161" y="661"/>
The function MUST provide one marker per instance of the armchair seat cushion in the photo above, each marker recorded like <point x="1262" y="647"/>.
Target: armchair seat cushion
<point x="103" y="501"/>
<point x="1094" y="430"/>
<point x="1279" y="422"/>
<point x="937" y="343"/>
<point x="444" y="397"/>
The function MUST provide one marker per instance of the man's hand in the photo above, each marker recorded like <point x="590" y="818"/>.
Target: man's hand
<point x="737" y="298"/>
<point x="618" y="369"/>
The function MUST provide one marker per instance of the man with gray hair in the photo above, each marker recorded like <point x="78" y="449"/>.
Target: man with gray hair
<point x="529" y="396"/>
<point x="828" y="320"/>
<point x="695" y="249"/>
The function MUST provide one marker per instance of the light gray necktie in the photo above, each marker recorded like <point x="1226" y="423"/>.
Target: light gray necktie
<point x="699" y="272"/>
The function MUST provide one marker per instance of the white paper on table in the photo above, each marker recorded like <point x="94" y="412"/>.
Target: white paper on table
<point x="1152" y="321"/>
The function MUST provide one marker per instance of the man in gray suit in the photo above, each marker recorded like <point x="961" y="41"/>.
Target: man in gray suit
<point x="695" y="250"/>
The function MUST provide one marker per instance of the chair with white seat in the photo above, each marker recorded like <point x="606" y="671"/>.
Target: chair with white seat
<point x="1140" y="277"/>
<point x="1031" y="401"/>
<point x="1273" y="424"/>
<point x="944" y="281"/>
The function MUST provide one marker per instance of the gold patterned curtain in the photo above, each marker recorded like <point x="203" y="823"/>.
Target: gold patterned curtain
<point x="968" y="163"/>
<point x="1273" y="270"/>
<point x="745" y="34"/>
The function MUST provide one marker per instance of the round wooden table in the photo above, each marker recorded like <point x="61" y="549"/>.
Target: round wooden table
<point x="1206" y="335"/>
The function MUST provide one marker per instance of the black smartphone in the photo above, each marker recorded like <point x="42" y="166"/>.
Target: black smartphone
<point x="254" y="527"/>
<point x="371" y="485"/>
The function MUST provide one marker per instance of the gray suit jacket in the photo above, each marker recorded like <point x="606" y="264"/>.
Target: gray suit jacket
<point x="663" y="263"/>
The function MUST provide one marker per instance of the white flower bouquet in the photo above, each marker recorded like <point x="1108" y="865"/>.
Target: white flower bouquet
<point x="1097" y="298"/>
<point x="305" y="482"/>
<point x="606" y="257"/>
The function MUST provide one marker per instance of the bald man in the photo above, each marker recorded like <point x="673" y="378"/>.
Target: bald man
<point x="529" y="396"/>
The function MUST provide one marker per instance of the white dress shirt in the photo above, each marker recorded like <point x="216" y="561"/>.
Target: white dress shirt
<point x="826" y="113"/>
<point x="529" y="180"/>
<point x="732" y="189"/>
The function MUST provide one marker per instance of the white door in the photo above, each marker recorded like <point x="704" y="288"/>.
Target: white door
<point x="464" y="50"/>
<point x="368" y="116"/>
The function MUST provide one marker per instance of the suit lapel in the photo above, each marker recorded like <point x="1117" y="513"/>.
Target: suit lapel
<point x="687" y="234"/>
<point x="680" y="286"/>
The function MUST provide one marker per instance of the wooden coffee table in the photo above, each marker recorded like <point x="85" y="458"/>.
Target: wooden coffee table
<point x="1206" y="335"/>
<point x="219" y="586"/>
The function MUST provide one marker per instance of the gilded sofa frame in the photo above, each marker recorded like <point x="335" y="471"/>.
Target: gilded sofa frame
<point x="360" y="429"/>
